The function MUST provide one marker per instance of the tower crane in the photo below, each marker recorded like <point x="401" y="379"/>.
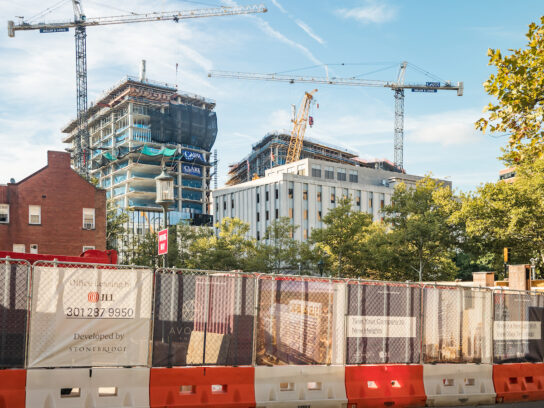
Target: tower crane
<point x="398" y="86"/>
<point x="80" y="24"/>
<point x="300" y="120"/>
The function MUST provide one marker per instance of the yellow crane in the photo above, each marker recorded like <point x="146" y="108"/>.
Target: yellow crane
<point x="80" y="24"/>
<point x="300" y="121"/>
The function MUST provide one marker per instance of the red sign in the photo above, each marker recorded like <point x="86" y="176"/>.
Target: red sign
<point x="163" y="242"/>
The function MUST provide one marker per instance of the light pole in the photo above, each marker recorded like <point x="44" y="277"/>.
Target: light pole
<point x="165" y="196"/>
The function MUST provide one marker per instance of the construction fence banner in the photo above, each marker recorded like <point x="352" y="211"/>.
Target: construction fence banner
<point x="298" y="322"/>
<point x="203" y="319"/>
<point x="383" y="323"/>
<point x="89" y="315"/>
<point x="456" y="324"/>
<point x="517" y="327"/>
<point x="14" y="275"/>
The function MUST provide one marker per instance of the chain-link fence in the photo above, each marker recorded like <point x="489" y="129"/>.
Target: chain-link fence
<point x="89" y="315"/>
<point x="296" y="323"/>
<point x="517" y="327"/>
<point x="14" y="275"/>
<point x="203" y="318"/>
<point x="457" y="324"/>
<point x="383" y="323"/>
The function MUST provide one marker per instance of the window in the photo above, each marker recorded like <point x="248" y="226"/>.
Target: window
<point x="267" y="215"/>
<point x="319" y="215"/>
<point x="87" y="247"/>
<point x="4" y="213"/>
<point x="290" y="213"/>
<point x="231" y="203"/>
<point x="316" y="170"/>
<point x="333" y="198"/>
<point x="35" y="214"/>
<point x="319" y="196"/>
<point x="358" y="201"/>
<point x="88" y="218"/>
<point x="370" y="200"/>
<point x="329" y="173"/>
<point x="258" y="217"/>
<point x="346" y="193"/>
<point x="33" y="248"/>
<point x="277" y="213"/>
<point x="224" y="205"/>
<point x="290" y="193"/>
<point x="341" y="174"/>
<point x="305" y="214"/>
<point x="258" y="198"/>
<point x="217" y="208"/>
<point x="266" y="196"/>
<point x="19" y="248"/>
<point x="277" y="194"/>
<point x="353" y="176"/>
<point x="305" y="234"/>
<point x="258" y="235"/>
<point x="305" y="195"/>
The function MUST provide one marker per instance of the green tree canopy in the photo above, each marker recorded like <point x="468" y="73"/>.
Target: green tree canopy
<point x="518" y="88"/>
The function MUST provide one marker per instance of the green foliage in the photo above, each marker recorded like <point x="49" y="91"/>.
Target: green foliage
<point x="421" y="233"/>
<point x="229" y="250"/>
<point x="517" y="85"/>
<point x="116" y="220"/>
<point x="342" y="243"/>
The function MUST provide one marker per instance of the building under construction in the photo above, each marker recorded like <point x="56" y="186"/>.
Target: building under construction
<point x="135" y="128"/>
<point x="271" y="151"/>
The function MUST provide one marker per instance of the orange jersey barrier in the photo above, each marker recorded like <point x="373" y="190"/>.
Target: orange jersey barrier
<point x="227" y="387"/>
<point x="12" y="388"/>
<point x="385" y="386"/>
<point x="519" y="382"/>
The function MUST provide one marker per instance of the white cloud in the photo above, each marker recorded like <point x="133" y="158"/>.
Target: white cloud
<point x="279" y="6"/>
<point x="446" y="128"/>
<point x="309" y="31"/>
<point x="372" y="12"/>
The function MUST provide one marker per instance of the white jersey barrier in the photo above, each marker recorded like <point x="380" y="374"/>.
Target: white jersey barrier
<point x="295" y="386"/>
<point x="89" y="316"/>
<point x="458" y="384"/>
<point x="88" y="388"/>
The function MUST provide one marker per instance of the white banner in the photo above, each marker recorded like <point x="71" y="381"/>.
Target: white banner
<point x="89" y="317"/>
<point x="516" y="330"/>
<point x="381" y="326"/>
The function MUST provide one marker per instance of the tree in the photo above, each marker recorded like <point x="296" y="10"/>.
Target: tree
<point x="421" y="232"/>
<point x="228" y="250"/>
<point x="341" y="244"/>
<point x="279" y="251"/>
<point x="116" y="219"/>
<point x="517" y="86"/>
<point x="143" y="250"/>
<point x="511" y="215"/>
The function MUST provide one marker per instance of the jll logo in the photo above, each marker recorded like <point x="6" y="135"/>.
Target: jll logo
<point x="94" y="297"/>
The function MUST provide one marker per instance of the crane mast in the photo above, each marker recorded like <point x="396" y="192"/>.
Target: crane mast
<point x="80" y="23"/>
<point x="397" y="86"/>
<point x="300" y="121"/>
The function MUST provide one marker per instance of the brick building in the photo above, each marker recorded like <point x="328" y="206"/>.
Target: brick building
<point x="53" y="211"/>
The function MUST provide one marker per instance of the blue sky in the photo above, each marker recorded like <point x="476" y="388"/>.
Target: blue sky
<point x="447" y="38"/>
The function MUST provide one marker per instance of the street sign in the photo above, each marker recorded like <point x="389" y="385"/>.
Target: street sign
<point x="163" y="241"/>
<point x="424" y="90"/>
<point x="53" y="30"/>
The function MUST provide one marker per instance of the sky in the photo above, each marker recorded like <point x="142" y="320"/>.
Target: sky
<point x="364" y="38"/>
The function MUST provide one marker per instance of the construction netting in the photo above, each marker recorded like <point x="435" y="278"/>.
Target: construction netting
<point x="300" y="321"/>
<point x="457" y="324"/>
<point x="184" y="124"/>
<point x="203" y="319"/>
<point x="383" y="323"/>
<point x="89" y="315"/>
<point x="517" y="327"/>
<point x="14" y="275"/>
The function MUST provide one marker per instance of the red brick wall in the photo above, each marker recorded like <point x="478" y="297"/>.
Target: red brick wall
<point x="62" y="195"/>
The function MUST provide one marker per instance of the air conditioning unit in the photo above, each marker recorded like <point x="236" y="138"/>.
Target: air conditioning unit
<point x="88" y="226"/>
<point x="34" y="219"/>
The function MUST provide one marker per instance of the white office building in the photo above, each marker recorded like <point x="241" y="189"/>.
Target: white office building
<point x="305" y="191"/>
